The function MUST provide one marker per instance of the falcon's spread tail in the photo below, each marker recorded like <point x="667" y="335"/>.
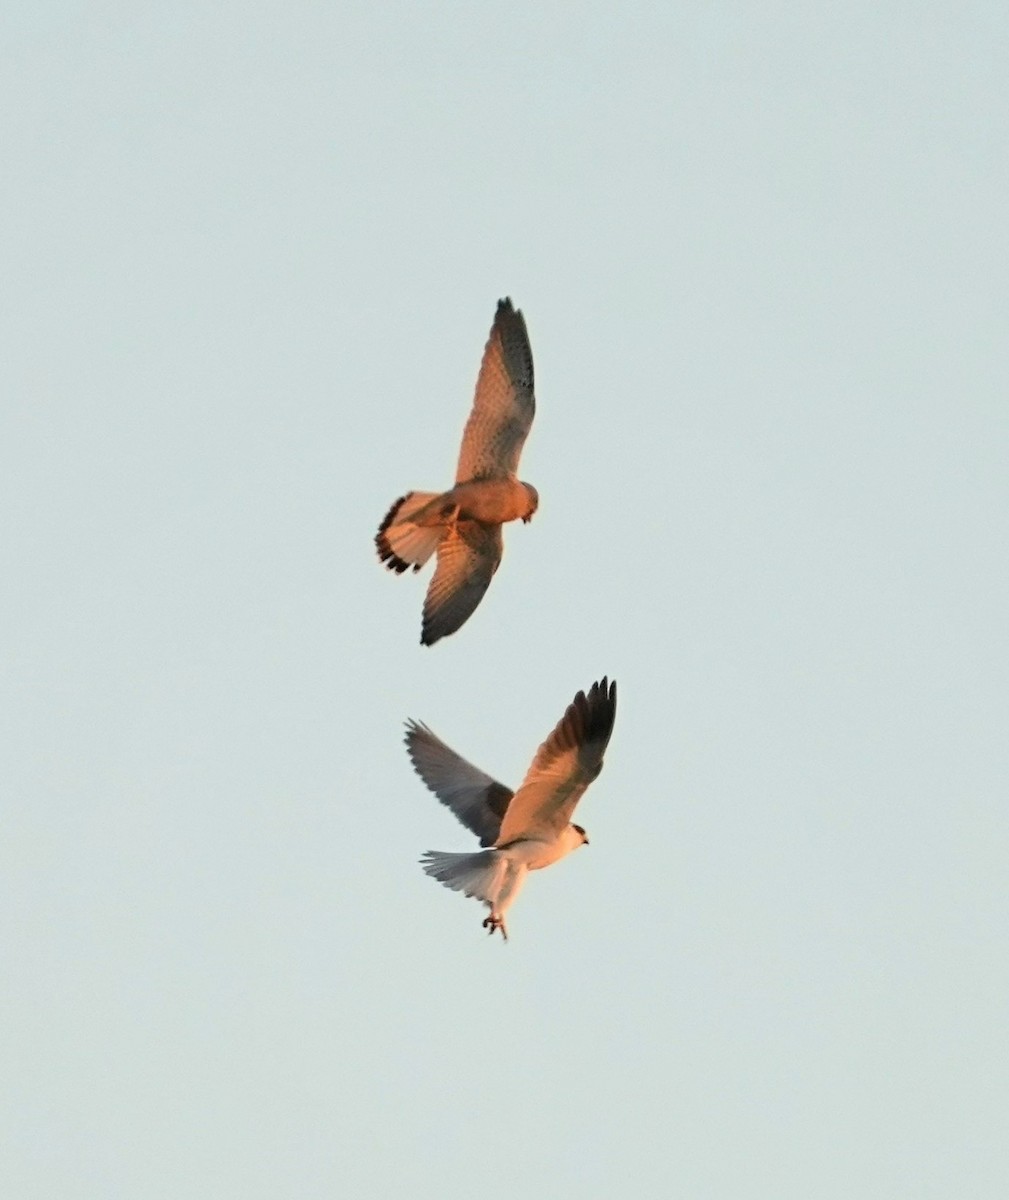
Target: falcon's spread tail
<point x="403" y="544"/>
<point x="477" y="875"/>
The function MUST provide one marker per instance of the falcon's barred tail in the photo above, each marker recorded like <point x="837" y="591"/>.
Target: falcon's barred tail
<point x="402" y="544"/>
<point x="477" y="875"/>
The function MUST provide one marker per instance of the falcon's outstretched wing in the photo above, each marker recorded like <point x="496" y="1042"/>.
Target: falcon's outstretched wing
<point x="504" y="404"/>
<point x="468" y="556"/>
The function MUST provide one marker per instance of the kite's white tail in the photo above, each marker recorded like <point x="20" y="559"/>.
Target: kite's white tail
<point x="403" y="544"/>
<point x="492" y="876"/>
<point x="478" y="875"/>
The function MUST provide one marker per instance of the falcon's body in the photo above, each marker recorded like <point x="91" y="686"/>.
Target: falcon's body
<point x="489" y="501"/>
<point x="525" y="830"/>
<point x="464" y="523"/>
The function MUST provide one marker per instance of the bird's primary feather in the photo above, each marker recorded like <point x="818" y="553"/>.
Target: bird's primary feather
<point x="477" y="800"/>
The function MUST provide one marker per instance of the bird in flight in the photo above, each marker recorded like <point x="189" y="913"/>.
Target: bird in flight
<point x="464" y="524"/>
<point x="521" y="831"/>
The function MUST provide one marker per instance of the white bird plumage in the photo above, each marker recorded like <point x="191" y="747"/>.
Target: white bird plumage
<point x="525" y="830"/>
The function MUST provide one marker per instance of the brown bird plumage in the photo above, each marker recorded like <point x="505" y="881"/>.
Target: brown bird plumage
<point x="463" y="525"/>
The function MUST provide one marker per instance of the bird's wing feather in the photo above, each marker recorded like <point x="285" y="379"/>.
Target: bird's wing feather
<point x="468" y="556"/>
<point x="564" y="766"/>
<point x="477" y="800"/>
<point x="504" y="404"/>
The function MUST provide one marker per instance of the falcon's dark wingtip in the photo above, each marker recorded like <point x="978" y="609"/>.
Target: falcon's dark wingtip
<point x="605" y="689"/>
<point x="429" y="631"/>
<point x="510" y="328"/>
<point x="506" y="310"/>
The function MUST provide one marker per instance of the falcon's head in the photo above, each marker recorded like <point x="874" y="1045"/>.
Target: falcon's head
<point x="534" y="502"/>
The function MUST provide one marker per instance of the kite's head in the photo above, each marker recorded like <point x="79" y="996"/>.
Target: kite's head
<point x="581" y="832"/>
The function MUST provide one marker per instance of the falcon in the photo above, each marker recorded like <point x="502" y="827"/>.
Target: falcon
<point x="463" y="525"/>
<point x="521" y="831"/>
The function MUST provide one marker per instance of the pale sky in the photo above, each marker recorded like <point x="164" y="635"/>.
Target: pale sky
<point x="250" y="256"/>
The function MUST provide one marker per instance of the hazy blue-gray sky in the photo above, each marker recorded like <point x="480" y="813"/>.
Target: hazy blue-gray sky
<point x="250" y="257"/>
